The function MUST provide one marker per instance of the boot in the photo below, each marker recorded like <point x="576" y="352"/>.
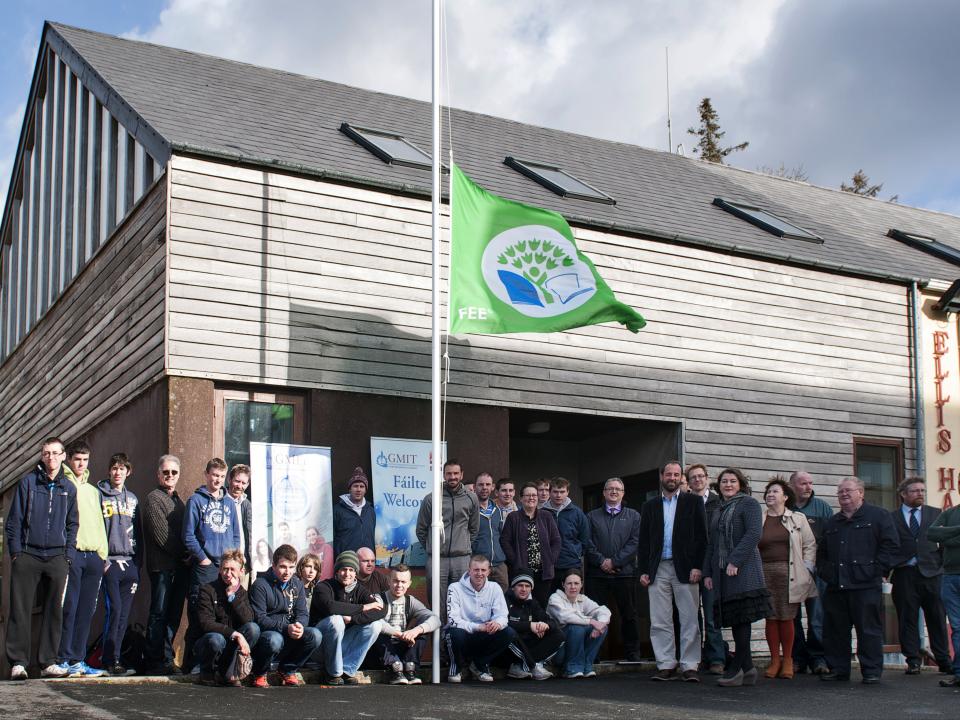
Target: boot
<point x="774" y="667"/>
<point x="786" y="669"/>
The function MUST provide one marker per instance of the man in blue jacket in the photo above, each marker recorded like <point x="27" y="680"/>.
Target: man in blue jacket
<point x="279" y="605"/>
<point x="487" y="541"/>
<point x="574" y="529"/>
<point x="354" y="519"/>
<point x="41" y="532"/>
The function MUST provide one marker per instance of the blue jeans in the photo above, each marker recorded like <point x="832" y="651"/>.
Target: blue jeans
<point x="714" y="649"/>
<point x="168" y="591"/>
<point x="580" y="650"/>
<point x="950" y="593"/>
<point x="289" y="653"/>
<point x="345" y="647"/>
<point x="808" y="649"/>
<point x="210" y="648"/>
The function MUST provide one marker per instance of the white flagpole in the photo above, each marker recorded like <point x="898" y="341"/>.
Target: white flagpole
<point x="436" y="520"/>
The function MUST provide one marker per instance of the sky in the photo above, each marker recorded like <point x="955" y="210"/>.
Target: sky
<point x="828" y="87"/>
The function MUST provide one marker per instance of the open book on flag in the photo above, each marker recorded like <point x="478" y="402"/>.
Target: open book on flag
<point x="516" y="268"/>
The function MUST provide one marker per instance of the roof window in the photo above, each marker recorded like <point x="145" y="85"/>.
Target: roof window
<point x="927" y="244"/>
<point x="389" y="147"/>
<point x="766" y="221"/>
<point x="559" y="181"/>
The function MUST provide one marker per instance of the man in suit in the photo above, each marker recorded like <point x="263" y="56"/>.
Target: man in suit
<point x="916" y="578"/>
<point x="714" y="650"/>
<point x="673" y="545"/>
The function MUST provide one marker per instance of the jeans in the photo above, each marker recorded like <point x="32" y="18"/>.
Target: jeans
<point x="950" y="593"/>
<point x="79" y="605"/>
<point x="289" y="653"/>
<point x="714" y="650"/>
<point x="119" y="586"/>
<point x="808" y="649"/>
<point x="345" y="647"/>
<point x="210" y="648"/>
<point x="580" y="650"/>
<point x="168" y="591"/>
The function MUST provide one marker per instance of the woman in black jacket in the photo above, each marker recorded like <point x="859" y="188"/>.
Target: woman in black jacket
<point x="223" y="623"/>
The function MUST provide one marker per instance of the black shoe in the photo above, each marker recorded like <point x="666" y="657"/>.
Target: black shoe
<point x="118" y="670"/>
<point x="946" y="668"/>
<point x="634" y="656"/>
<point x="838" y="677"/>
<point x="871" y="680"/>
<point x="665" y="675"/>
<point x="396" y="677"/>
<point x="351" y="679"/>
<point x="953" y="682"/>
<point x="334" y="680"/>
<point x="206" y="678"/>
<point x="913" y="669"/>
<point x="819" y="668"/>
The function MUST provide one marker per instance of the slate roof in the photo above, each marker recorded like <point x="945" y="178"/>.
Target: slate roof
<point x="219" y="108"/>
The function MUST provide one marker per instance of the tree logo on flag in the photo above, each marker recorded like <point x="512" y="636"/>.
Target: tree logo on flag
<point x="536" y="270"/>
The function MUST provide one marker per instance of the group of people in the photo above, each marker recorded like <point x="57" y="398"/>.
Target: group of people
<point x="527" y="586"/>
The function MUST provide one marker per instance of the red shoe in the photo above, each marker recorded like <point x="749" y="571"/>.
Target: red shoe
<point x="259" y="681"/>
<point x="291" y="680"/>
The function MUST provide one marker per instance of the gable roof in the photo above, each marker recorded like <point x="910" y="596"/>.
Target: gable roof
<point x="186" y="102"/>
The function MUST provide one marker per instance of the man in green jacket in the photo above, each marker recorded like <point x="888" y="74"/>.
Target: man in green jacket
<point x="946" y="531"/>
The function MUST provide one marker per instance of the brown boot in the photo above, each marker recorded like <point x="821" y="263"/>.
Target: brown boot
<point x="786" y="669"/>
<point x="774" y="667"/>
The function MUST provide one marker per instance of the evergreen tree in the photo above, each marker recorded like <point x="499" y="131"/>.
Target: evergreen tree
<point x="710" y="134"/>
<point x="860" y="185"/>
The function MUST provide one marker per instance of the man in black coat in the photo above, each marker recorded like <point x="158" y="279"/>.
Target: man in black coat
<point x="673" y="545"/>
<point x="538" y="637"/>
<point x="916" y="578"/>
<point x="859" y="547"/>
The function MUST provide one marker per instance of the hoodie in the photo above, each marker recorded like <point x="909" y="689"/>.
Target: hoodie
<point x="487" y="542"/>
<point x="210" y="525"/>
<point x="91" y="535"/>
<point x="276" y="605"/>
<point x="579" y="612"/>
<point x="470" y="609"/>
<point x="574" y="529"/>
<point x="460" y="511"/>
<point x="43" y="519"/>
<point x="353" y="527"/>
<point x="121" y="518"/>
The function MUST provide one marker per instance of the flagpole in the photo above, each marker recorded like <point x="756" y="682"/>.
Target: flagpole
<point x="436" y="520"/>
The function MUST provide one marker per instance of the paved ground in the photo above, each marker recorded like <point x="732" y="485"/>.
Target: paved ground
<point x="626" y="695"/>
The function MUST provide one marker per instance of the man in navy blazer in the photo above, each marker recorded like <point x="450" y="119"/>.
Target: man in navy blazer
<point x="673" y="545"/>
<point x="916" y="578"/>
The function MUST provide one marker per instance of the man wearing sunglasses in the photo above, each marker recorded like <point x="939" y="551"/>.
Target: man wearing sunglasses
<point x="167" y="563"/>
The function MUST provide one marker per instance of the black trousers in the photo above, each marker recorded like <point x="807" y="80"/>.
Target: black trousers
<point x="623" y="592"/>
<point x="860" y="609"/>
<point x="911" y="593"/>
<point x="530" y="649"/>
<point x="27" y="574"/>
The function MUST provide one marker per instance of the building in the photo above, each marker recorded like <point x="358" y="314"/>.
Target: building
<point x="197" y="253"/>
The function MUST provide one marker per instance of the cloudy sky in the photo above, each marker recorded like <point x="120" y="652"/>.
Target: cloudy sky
<point x="819" y="84"/>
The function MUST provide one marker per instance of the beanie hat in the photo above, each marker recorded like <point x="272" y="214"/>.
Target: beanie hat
<point x="348" y="558"/>
<point x="358" y="477"/>
<point x="520" y="579"/>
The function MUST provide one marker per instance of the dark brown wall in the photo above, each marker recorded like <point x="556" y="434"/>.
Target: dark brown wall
<point x="477" y="435"/>
<point x="191" y="429"/>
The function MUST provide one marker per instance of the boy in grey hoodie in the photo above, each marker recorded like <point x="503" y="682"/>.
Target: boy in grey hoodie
<point x="121" y="518"/>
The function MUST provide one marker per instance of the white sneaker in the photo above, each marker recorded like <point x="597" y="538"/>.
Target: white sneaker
<point x="516" y="671"/>
<point x="54" y="671"/>
<point x="454" y="678"/>
<point x="18" y="672"/>
<point x="484" y="676"/>
<point x="541" y="673"/>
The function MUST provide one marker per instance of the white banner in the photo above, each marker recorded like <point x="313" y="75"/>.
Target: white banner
<point x="290" y="491"/>
<point x="402" y="473"/>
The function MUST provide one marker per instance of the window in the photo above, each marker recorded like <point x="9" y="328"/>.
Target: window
<point x="927" y="244"/>
<point x="249" y="416"/>
<point x="389" y="147"/>
<point x="559" y="181"/>
<point x="766" y="221"/>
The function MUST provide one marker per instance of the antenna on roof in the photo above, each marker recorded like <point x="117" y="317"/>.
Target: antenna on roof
<point x="666" y="52"/>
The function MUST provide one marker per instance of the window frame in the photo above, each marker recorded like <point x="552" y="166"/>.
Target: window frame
<point x="360" y="136"/>
<point x="222" y="395"/>
<point x="528" y="168"/>
<point x="743" y="211"/>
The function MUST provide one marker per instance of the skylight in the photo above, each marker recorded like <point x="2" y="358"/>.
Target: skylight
<point x="389" y="147"/>
<point x="559" y="181"/>
<point x="928" y="244"/>
<point x="766" y="221"/>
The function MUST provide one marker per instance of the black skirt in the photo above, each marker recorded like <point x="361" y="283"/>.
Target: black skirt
<point x="743" y="608"/>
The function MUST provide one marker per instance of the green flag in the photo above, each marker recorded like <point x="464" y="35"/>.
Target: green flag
<point x="516" y="268"/>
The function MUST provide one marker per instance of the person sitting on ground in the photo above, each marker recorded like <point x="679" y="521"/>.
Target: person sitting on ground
<point x="280" y="609"/>
<point x="538" y="635"/>
<point x="477" y="628"/>
<point x="584" y="624"/>
<point x="404" y="630"/>
<point x="308" y="570"/>
<point x="348" y="617"/>
<point x="224" y="623"/>
<point x="372" y="579"/>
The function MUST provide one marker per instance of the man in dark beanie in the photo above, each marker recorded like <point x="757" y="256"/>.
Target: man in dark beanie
<point x="348" y="617"/>
<point x="538" y="636"/>
<point x="354" y="520"/>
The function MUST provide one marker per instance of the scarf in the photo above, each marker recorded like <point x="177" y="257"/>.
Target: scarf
<point x="728" y="511"/>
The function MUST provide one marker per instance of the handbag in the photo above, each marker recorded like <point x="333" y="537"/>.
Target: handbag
<point x="240" y="667"/>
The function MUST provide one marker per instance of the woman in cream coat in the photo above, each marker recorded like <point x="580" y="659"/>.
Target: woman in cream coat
<point x="584" y="624"/>
<point x="789" y="551"/>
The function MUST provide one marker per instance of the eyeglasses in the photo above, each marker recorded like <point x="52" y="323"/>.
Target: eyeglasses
<point x="614" y="489"/>
<point x="170" y="472"/>
<point x="51" y="453"/>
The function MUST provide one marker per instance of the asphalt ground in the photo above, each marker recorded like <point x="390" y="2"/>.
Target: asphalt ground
<point x="626" y="695"/>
